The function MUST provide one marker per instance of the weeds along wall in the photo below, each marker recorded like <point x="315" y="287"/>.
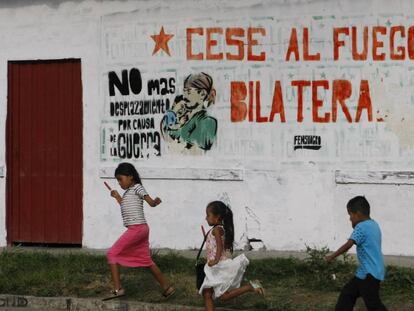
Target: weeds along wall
<point x="284" y="110"/>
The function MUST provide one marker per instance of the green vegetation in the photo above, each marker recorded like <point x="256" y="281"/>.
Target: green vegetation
<point x="291" y="284"/>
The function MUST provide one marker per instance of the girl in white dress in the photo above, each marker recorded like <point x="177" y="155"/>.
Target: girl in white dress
<point x="223" y="274"/>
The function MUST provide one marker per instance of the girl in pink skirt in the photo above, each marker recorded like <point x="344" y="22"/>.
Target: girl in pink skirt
<point x="132" y="248"/>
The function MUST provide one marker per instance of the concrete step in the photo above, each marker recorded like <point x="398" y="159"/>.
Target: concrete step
<point x="31" y="303"/>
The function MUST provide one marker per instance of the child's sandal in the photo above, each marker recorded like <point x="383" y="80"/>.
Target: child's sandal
<point x="258" y="287"/>
<point x="168" y="292"/>
<point x="116" y="293"/>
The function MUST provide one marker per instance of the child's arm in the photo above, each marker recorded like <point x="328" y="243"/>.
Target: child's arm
<point x="116" y="195"/>
<point x="217" y="233"/>
<point x="343" y="249"/>
<point x="152" y="202"/>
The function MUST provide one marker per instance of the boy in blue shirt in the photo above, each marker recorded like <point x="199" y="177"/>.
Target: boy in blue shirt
<point x="367" y="237"/>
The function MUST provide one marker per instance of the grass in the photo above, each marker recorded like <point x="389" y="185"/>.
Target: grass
<point x="291" y="284"/>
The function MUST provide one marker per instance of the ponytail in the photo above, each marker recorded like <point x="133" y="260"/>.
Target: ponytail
<point x="228" y="229"/>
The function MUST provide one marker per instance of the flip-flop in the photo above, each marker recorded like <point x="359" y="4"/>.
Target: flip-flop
<point x="258" y="287"/>
<point x="115" y="294"/>
<point x="168" y="292"/>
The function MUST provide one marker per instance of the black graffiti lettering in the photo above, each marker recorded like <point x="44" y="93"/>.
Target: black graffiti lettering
<point x="143" y="139"/>
<point x="161" y="86"/>
<point x="132" y="81"/>
<point x="136" y="109"/>
<point x="312" y="142"/>
<point x="124" y="125"/>
<point x="167" y="104"/>
<point x="143" y="124"/>
<point x="135" y="81"/>
<point x="153" y="85"/>
<point x="164" y="89"/>
<point x="122" y="146"/>
<point x="114" y="81"/>
<point x="133" y="145"/>
<point x="142" y="107"/>
<point x="156" y="139"/>
<point x="172" y="85"/>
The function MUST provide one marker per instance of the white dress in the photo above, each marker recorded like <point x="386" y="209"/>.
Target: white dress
<point x="226" y="274"/>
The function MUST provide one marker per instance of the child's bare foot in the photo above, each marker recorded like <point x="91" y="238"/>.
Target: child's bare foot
<point x="115" y="294"/>
<point x="168" y="292"/>
<point x="257" y="287"/>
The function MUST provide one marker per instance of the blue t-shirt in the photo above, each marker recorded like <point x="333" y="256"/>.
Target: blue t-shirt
<point x="367" y="237"/>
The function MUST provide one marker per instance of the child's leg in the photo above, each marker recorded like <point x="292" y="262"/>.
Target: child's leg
<point x="208" y="299"/>
<point x="115" y="276"/>
<point x="348" y="296"/>
<point x="370" y="293"/>
<point x="236" y="292"/>
<point x="156" y="272"/>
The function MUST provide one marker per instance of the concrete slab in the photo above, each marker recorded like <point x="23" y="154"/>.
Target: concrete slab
<point x="31" y="303"/>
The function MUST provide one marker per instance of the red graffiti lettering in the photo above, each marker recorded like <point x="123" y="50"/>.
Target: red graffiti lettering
<point x="234" y="37"/>
<point x="277" y="104"/>
<point x="300" y="84"/>
<point x="239" y="33"/>
<point x="294" y="46"/>
<point x="237" y="96"/>
<point x="341" y="90"/>
<point x="380" y="37"/>
<point x="400" y="53"/>
<point x="364" y="101"/>
<point x="317" y="103"/>
<point x="190" y="32"/>
<point x="376" y="44"/>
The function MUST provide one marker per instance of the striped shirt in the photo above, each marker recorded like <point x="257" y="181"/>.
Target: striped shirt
<point x="132" y="205"/>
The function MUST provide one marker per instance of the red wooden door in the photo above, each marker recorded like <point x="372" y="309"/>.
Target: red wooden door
<point x="44" y="152"/>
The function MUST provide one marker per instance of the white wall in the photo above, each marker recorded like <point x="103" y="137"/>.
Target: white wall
<point x="293" y="194"/>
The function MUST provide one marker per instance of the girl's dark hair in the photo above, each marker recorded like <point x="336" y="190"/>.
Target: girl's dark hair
<point x="218" y="208"/>
<point x="127" y="169"/>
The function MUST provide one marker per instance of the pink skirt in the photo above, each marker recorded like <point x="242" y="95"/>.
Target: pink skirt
<point x="132" y="248"/>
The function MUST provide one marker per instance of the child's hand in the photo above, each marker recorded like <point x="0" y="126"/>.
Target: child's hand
<point x="115" y="194"/>
<point x="212" y="262"/>
<point x="157" y="201"/>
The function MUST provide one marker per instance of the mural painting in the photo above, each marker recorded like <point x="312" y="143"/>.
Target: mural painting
<point x="267" y="89"/>
<point x="188" y="122"/>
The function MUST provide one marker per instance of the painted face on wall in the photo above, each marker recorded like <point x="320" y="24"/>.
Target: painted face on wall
<point x="194" y="97"/>
<point x="181" y="111"/>
<point x="178" y="115"/>
<point x="187" y="122"/>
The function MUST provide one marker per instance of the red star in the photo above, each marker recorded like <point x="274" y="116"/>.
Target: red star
<point x="161" y="42"/>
